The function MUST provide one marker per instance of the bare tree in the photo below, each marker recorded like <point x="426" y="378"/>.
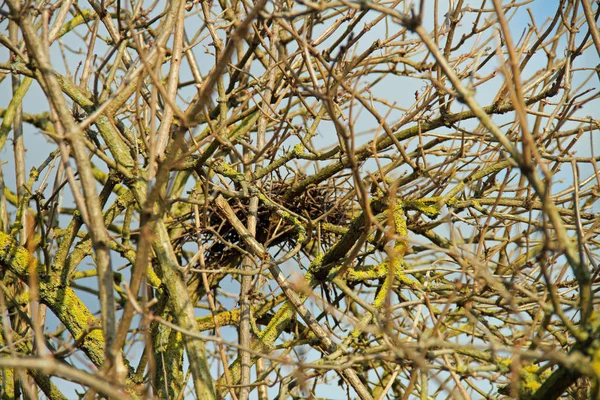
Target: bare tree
<point x="289" y="199"/>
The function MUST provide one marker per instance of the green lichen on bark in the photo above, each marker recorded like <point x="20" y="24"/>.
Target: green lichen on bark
<point x="530" y="378"/>
<point x="63" y="301"/>
<point x="7" y="375"/>
<point x="169" y="366"/>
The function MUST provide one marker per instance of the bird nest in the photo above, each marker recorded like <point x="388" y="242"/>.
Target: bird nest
<point x="317" y="204"/>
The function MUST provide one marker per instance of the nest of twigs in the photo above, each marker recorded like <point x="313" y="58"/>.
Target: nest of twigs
<point x="316" y="204"/>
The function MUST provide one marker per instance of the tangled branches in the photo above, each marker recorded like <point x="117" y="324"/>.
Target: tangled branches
<point x="301" y="199"/>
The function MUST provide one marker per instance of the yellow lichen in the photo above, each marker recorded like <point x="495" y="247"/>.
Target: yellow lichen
<point x="228" y="171"/>
<point x="77" y="318"/>
<point x="399" y="220"/>
<point x="16" y="257"/>
<point x="316" y="262"/>
<point x="152" y="278"/>
<point x="596" y="362"/>
<point x="451" y="201"/>
<point x="273" y="330"/>
<point x="529" y="380"/>
<point x="428" y="206"/>
<point x="63" y="301"/>
<point x="504" y="365"/>
<point x="298" y="149"/>
<point x="372" y="272"/>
